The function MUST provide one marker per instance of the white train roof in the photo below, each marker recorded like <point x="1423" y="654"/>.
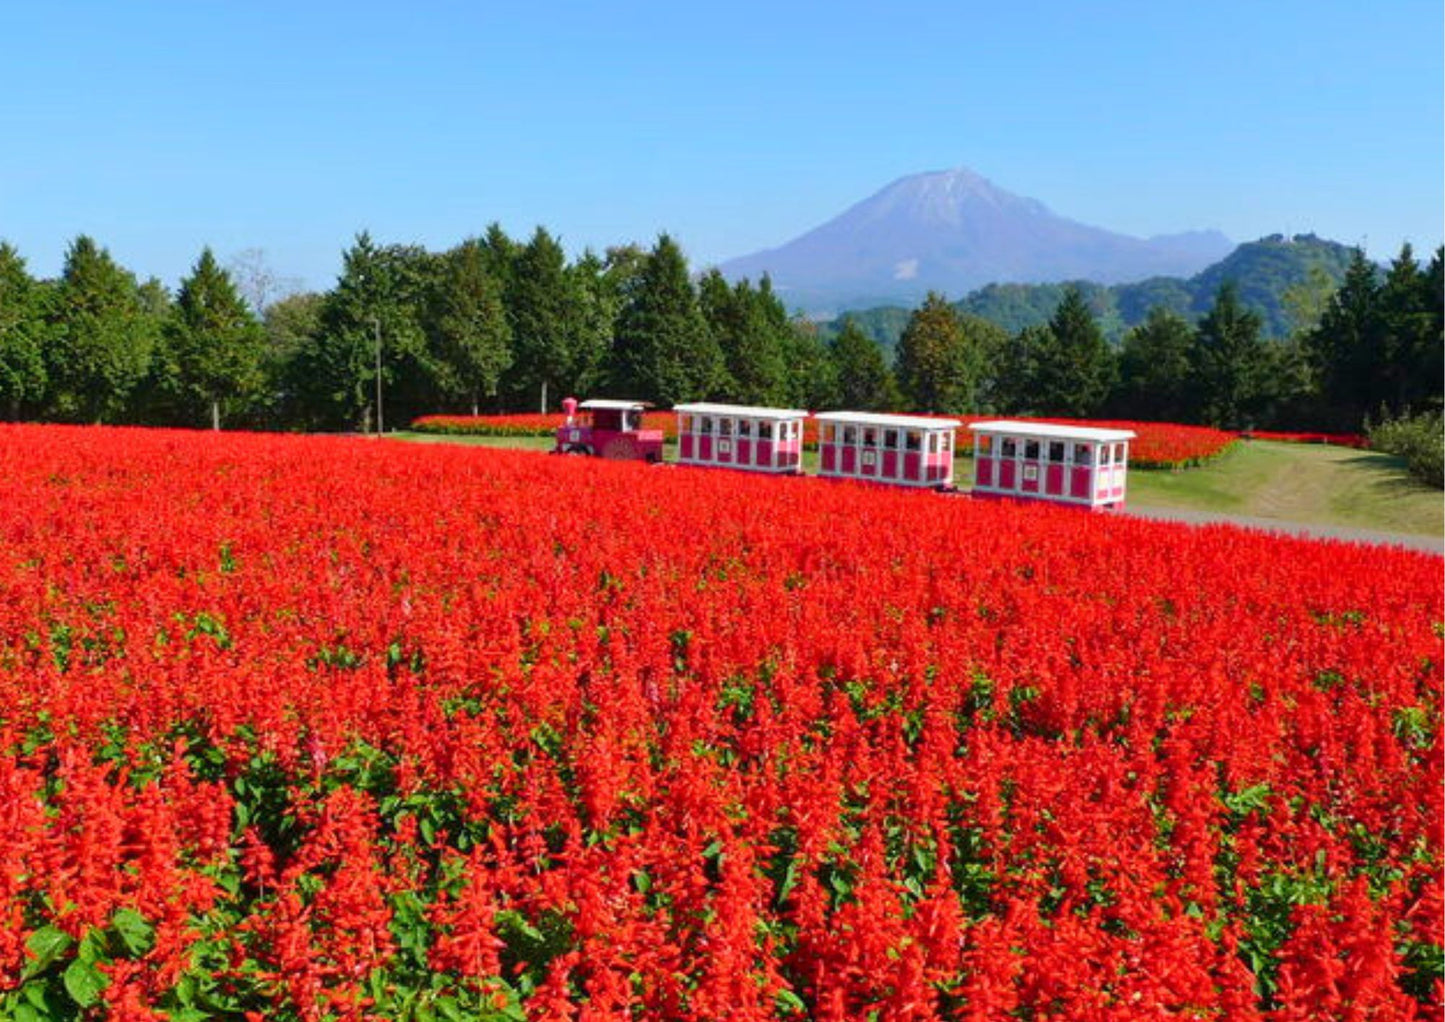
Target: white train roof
<point x="740" y="411"/>
<point x="887" y="421"/>
<point x="1050" y="431"/>
<point x="609" y="404"/>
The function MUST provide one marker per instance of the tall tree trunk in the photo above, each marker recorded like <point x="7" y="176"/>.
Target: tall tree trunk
<point x="544" y="397"/>
<point x="216" y="415"/>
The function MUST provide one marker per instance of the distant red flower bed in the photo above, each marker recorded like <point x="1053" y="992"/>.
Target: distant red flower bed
<point x="1158" y="445"/>
<point x="1334" y="439"/>
<point x="318" y="728"/>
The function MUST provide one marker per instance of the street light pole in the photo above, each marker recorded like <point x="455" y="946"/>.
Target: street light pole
<point x="376" y="324"/>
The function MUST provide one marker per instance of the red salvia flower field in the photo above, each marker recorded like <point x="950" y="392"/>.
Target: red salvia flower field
<point x="322" y="728"/>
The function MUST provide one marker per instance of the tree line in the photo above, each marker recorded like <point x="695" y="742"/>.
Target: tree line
<point x="499" y="324"/>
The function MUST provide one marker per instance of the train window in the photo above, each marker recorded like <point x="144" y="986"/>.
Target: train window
<point x="945" y="443"/>
<point x="1056" y="451"/>
<point x="870" y="436"/>
<point x="1119" y="454"/>
<point x="985" y="443"/>
<point x="826" y="434"/>
<point x="913" y="440"/>
<point x="1083" y="454"/>
<point x="1031" y="450"/>
<point x="850" y="435"/>
<point x="1104" y="450"/>
<point x="745" y="429"/>
<point x="706" y="422"/>
<point x="724" y="427"/>
<point x="1008" y="447"/>
<point x="765" y="430"/>
<point x="890" y="439"/>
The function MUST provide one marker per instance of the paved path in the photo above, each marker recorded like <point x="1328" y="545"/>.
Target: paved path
<point x="1435" y="544"/>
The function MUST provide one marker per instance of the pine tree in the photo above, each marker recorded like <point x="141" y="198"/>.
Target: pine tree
<point x="1229" y="361"/>
<point x="665" y="351"/>
<point x="864" y="380"/>
<point x="750" y="337"/>
<point x="22" y="366"/>
<point x="1156" y="375"/>
<point x="1342" y="348"/>
<point x="472" y="341"/>
<point x="1074" y="372"/>
<point x="100" y="339"/>
<point x="937" y="368"/>
<point x="539" y="304"/>
<point x="216" y="341"/>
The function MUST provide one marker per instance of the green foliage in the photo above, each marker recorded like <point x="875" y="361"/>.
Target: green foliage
<point x="100" y="338"/>
<point x="470" y="337"/>
<point x="22" y="367"/>
<point x="1155" y="369"/>
<point x="1419" y="439"/>
<point x="1074" y="368"/>
<point x="864" y="380"/>
<point x="216" y="343"/>
<point x="664" y="350"/>
<point x="1228" y="362"/>
<point x="750" y="328"/>
<point x="938" y="364"/>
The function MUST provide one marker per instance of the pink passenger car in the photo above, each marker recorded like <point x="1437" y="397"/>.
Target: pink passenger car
<point x="608" y="429"/>
<point x="904" y="450"/>
<point x="1077" y="465"/>
<point x="740" y="436"/>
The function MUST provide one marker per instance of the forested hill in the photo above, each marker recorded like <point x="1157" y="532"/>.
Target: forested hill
<point x="1271" y="275"/>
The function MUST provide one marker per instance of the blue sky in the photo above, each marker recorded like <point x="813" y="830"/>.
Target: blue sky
<point x="162" y="127"/>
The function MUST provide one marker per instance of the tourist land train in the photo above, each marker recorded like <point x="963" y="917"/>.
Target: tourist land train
<point x="1076" y="465"/>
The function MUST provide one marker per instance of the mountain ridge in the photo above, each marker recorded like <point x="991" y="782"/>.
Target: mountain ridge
<point x="954" y="231"/>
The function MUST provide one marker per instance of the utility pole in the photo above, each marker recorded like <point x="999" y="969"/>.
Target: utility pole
<point x="376" y="325"/>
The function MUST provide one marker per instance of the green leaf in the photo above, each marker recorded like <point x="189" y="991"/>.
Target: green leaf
<point x="136" y="935"/>
<point x="84" y="982"/>
<point x="47" y="944"/>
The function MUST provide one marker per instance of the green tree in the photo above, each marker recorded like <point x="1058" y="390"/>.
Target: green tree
<point x="1010" y="381"/>
<point x="472" y="341"/>
<point x="812" y="372"/>
<point x="864" y="380"/>
<point x="596" y="301"/>
<point x="1343" y="347"/>
<point x="1408" y="360"/>
<point x="1229" y="362"/>
<point x="937" y="367"/>
<point x="102" y="332"/>
<point x="750" y="336"/>
<point x="371" y="316"/>
<point x="1155" y="372"/>
<point x="1075" y="368"/>
<point x="217" y="343"/>
<point x="539" y="304"/>
<point x="22" y="366"/>
<point x="664" y="350"/>
<point x="292" y="325"/>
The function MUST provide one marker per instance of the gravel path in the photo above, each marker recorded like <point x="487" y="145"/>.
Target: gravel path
<point x="1434" y="544"/>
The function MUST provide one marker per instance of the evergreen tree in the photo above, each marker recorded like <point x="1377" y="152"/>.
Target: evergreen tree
<point x="864" y="380"/>
<point x="1229" y="362"/>
<point x="751" y="337"/>
<point x="22" y="367"/>
<point x="1343" y="346"/>
<point x="100" y="339"/>
<point x="292" y="325"/>
<point x="812" y="374"/>
<point x="665" y="352"/>
<point x="1010" y="385"/>
<point x="371" y="315"/>
<point x="1075" y="368"/>
<point x="1408" y="356"/>
<point x="472" y="341"/>
<point x="596" y="304"/>
<point x="539" y="304"/>
<point x="937" y="367"/>
<point x="1155" y="372"/>
<point x="216" y="341"/>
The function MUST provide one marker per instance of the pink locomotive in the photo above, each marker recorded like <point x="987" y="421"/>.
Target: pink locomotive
<point x="608" y="429"/>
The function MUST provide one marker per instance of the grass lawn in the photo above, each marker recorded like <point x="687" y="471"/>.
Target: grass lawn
<point x="1306" y="483"/>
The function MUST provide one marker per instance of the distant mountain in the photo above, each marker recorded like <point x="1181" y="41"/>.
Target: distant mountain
<point x="1262" y="270"/>
<point x="953" y="231"/>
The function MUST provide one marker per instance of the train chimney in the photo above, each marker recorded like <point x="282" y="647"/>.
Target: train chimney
<point x="569" y="408"/>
